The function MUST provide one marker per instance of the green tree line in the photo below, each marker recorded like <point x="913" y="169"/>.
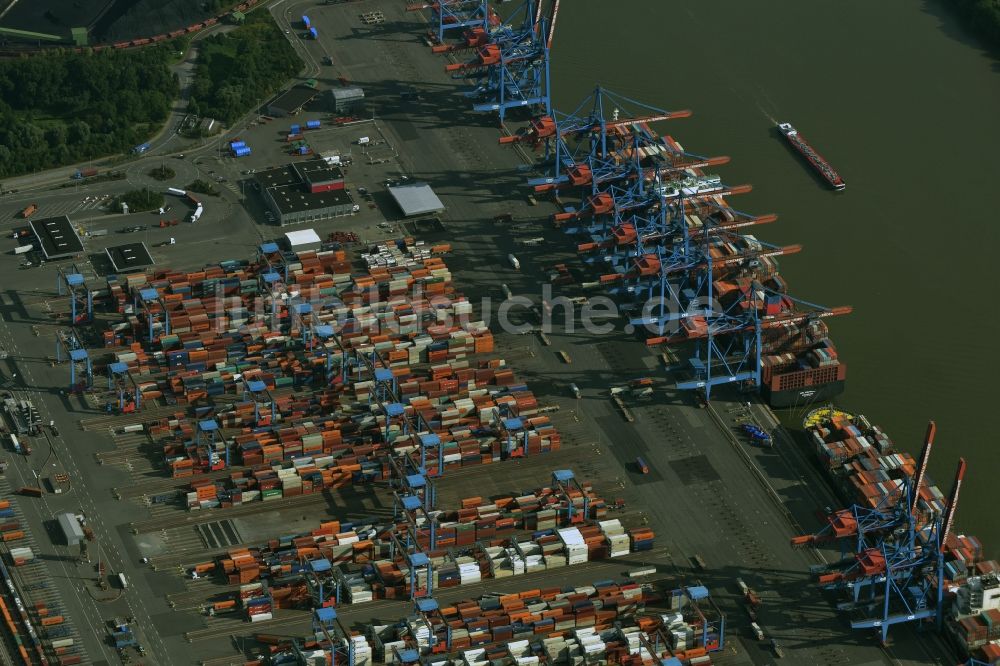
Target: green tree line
<point x="239" y="69"/>
<point x="982" y="17"/>
<point x="63" y="107"/>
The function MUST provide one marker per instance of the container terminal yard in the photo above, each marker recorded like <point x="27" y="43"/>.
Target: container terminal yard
<point x="256" y="444"/>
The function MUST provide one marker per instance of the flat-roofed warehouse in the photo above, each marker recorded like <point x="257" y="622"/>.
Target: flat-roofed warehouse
<point x="129" y="258"/>
<point x="56" y="237"/>
<point x="416" y="199"/>
<point x="305" y="192"/>
<point x="291" y="101"/>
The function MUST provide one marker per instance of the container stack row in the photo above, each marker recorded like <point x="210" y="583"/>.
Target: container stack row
<point x="481" y="534"/>
<point x="223" y="331"/>
<point x="525" y="616"/>
<point x="345" y="466"/>
<point x="496" y="558"/>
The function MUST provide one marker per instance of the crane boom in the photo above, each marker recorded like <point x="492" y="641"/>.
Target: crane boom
<point x="949" y="516"/>
<point x="552" y="24"/>
<point x="925" y="455"/>
<point x="797" y="317"/>
<point x="735" y="224"/>
<point x="670" y="115"/>
<point x="776" y="252"/>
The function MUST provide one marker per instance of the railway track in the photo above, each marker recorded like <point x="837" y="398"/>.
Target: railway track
<point x="199" y="598"/>
<point x="208" y="515"/>
<point x="231" y="626"/>
<point x="302" y="501"/>
<point x="161" y="485"/>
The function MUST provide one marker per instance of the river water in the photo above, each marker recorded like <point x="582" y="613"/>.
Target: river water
<point x="907" y="109"/>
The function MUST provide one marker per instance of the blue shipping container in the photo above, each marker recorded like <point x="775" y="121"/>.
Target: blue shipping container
<point x="305" y="21"/>
<point x="312" y="33"/>
<point x="312" y="124"/>
<point x="294" y="129"/>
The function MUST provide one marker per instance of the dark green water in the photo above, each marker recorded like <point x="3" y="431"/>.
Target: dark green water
<point x="907" y="108"/>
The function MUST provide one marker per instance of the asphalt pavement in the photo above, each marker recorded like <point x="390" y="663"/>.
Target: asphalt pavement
<point x="701" y="496"/>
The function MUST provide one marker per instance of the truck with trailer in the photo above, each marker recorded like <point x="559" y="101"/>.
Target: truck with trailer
<point x="84" y="173"/>
<point x="122" y="635"/>
<point x="21" y="414"/>
<point x="749" y="595"/>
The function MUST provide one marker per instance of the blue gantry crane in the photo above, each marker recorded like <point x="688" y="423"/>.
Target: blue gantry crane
<point x="76" y="353"/>
<point x="332" y="636"/>
<point x="71" y="282"/>
<point x="271" y="256"/>
<point x="565" y="481"/>
<point x="149" y="301"/>
<point x="511" y="70"/>
<point x="587" y="144"/>
<point x="208" y="440"/>
<point x="265" y="410"/>
<point x="897" y="571"/>
<point x="728" y="339"/>
<point x="121" y="381"/>
<point x="271" y="284"/>
<point x="469" y="16"/>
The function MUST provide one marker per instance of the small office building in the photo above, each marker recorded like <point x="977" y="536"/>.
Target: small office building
<point x="56" y="237"/>
<point x="129" y="258"/>
<point x="305" y="192"/>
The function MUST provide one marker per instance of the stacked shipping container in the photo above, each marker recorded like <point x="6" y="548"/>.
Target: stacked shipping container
<point x="224" y="327"/>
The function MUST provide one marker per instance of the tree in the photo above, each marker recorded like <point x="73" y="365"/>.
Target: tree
<point x="60" y="106"/>
<point x="57" y="135"/>
<point x="79" y="132"/>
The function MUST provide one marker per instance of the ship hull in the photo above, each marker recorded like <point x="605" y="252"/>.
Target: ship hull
<point x="804" y="395"/>
<point x="809" y="154"/>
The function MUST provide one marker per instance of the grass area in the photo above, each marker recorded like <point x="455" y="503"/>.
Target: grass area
<point x="202" y="187"/>
<point x="139" y="201"/>
<point x="162" y="172"/>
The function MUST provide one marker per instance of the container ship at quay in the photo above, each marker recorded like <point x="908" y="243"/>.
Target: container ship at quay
<point x="815" y="159"/>
<point x="669" y="202"/>
<point x="799" y="362"/>
<point x="875" y="480"/>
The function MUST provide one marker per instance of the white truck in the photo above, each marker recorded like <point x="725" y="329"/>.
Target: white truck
<point x="514" y="262"/>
